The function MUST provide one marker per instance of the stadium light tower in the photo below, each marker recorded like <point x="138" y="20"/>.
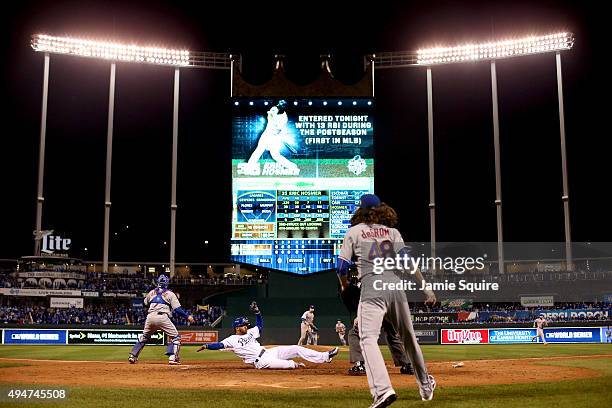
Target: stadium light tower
<point x="489" y="51"/>
<point x="126" y="53"/>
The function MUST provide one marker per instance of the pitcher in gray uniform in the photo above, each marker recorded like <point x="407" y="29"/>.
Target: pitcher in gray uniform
<point x="370" y="239"/>
<point x="161" y="302"/>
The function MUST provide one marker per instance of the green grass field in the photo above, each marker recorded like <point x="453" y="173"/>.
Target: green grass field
<point x="590" y="392"/>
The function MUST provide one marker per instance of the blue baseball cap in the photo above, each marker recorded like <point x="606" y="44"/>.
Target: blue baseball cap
<point x="369" y="201"/>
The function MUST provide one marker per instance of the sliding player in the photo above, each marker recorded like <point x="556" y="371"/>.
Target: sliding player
<point x="245" y="345"/>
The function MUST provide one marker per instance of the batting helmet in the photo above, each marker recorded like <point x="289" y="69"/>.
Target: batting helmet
<point x="163" y="281"/>
<point x="240" y="321"/>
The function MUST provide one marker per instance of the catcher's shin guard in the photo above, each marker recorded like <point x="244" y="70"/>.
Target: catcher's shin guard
<point x="142" y="341"/>
<point x="174" y="347"/>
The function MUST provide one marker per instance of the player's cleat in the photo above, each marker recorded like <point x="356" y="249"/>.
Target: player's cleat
<point x="132" y="359"/>
<point x="407" y="369"/>
<point x="385" y="400"/>
<point x="357" y="369"/>
<point x="174" y="361"/>
<point x="428" y="396"/>
<point x="332" y="353"/>
<point x="300" y="365"/>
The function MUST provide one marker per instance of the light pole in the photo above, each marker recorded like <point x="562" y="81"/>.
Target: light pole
<point x="173" y="205"/>
<point x="41" y="157"/>
<point x="109" y="159"/>
<point x="488" y="51"/>
<point x="498" y="191"/>
<point x="432" y="183"/>
<point x="566" y="214"/>
<point x="129" y="53"/>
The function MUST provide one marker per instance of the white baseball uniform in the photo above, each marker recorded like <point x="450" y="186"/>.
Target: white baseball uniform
<point x="250" y="351"/>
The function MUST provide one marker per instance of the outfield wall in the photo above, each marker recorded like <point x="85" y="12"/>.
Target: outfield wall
<point x="445" y="336"/>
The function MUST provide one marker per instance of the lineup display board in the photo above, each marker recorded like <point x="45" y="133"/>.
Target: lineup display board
<point x="299" y="167"/>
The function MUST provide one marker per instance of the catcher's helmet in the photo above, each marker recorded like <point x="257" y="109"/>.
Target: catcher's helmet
<point x="239" y="322"/>
<point x="163" y="281"/>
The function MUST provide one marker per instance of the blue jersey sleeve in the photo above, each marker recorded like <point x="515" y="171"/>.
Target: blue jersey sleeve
<point x="259" y="321"/>
<point x="215" y="346"/>
<point x="179" y="310"/>
<point x="342" y="267"/>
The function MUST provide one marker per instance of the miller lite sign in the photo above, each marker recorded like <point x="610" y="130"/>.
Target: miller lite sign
<point x="50" y="243"/>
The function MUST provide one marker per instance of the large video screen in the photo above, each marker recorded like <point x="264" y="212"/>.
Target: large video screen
<point x="299" y="167"/>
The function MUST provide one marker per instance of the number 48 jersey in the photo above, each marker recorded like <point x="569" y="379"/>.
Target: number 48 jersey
<point x="364" y="243"/>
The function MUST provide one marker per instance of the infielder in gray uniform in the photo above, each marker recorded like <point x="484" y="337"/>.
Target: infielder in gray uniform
<point x="161" y="302"/>
<point x="539" y="324"/>
<point x="372" y="238"/>
<point x="307" y="326"/>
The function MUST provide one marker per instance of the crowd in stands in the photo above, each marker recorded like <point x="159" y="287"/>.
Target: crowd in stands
<point x="505" y="307"/>
<point x="106" y="314"/>
<point x="117" y="283"/>
<point x="513" y="312"/>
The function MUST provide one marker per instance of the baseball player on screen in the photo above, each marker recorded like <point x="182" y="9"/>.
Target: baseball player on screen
<point x="539" y="324"/>
<point x="272" y="138"/>
<point x="306" y="325"/>
<point x="372" y="233"/>
<point x="161" y="302"/>
<point x="245" y="345"/>
<point x="608" y="335"/>
<point x="341" y="330"/>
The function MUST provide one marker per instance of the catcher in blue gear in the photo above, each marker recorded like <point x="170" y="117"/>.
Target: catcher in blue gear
<point x="161" y="302"/>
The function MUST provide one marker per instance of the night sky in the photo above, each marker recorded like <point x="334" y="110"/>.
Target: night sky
<point x="465" y="190"/>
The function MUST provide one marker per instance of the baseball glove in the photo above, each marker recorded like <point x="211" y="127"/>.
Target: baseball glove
<point x="350" y="297"/>
<point x="253" y="307"/>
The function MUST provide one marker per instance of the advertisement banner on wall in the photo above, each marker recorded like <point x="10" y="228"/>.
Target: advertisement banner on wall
<point x="199" y="337"/>
<point x="573" y="335"/>
<point x="434" y="317"/>
<point x="537" y="301"/>
<point x="110" y="337"/>
<point x="606" y="335"/>
<point x="34" y="336"/>
<point x="66" y="303"/>
<point x="465" y="336"/>
<point x="573" y="314"/>
<point x="509" y="336"/>
<point x="427" y="336"/>
<point x="38" y="292"/>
